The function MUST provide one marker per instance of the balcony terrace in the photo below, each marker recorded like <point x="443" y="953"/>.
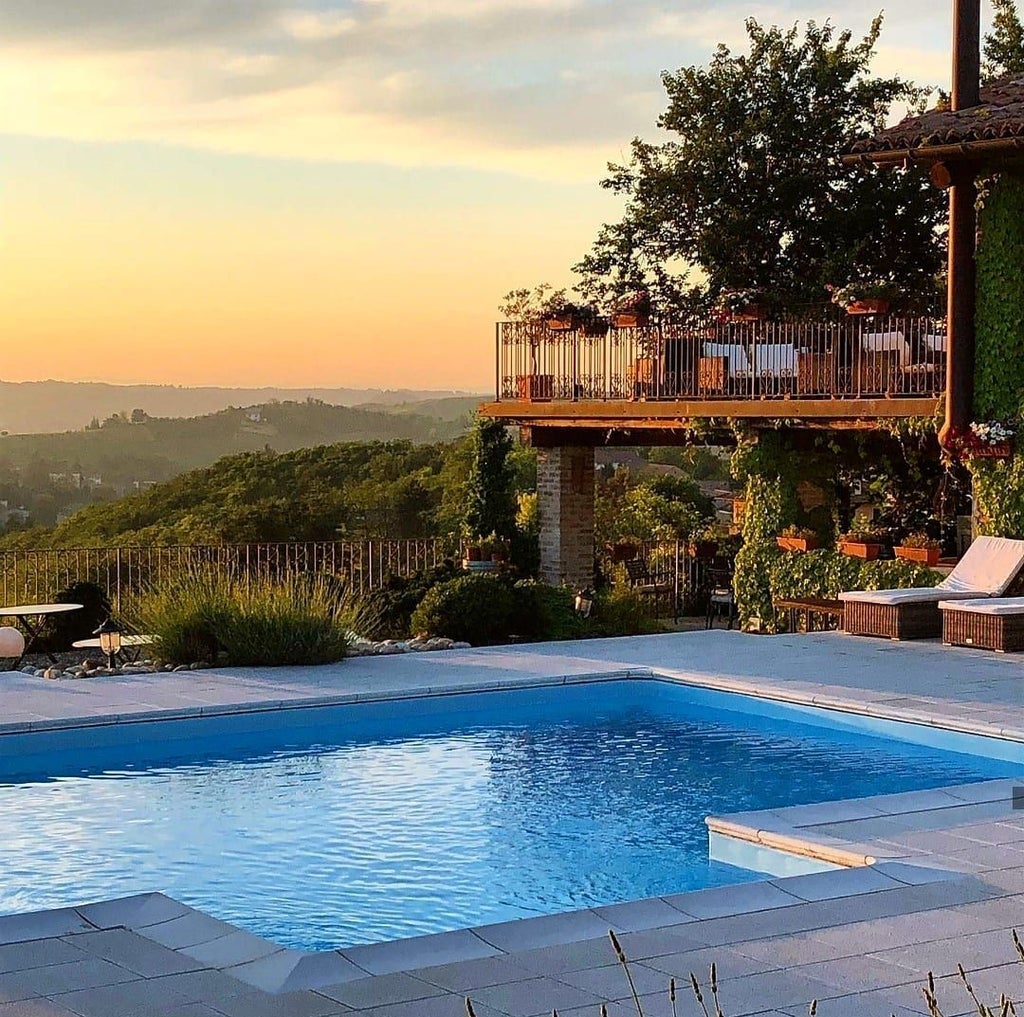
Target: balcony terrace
<point x="827" y="370"/>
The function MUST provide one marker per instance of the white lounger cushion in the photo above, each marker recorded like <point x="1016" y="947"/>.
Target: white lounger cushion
<point x="986" y="570"/>
<point x="987" y="605"/>
<point x="913" y="595"/>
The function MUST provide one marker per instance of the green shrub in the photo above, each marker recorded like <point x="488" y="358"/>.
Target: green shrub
<point x="199" y="615"/>
<point x="751" y="583"/>
<point x="621" y="611"/>
<point x="478" y="609"/>
<point x="545" y="612"/>
<point x="389" y="610"/>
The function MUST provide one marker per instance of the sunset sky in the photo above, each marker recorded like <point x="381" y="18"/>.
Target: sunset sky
<point x="328" y="192"/>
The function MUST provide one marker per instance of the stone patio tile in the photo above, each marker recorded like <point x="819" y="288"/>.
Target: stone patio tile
<point x="86" y="974"/>
<point x="189" y="930"/>
<point x="732" y="900"/>
<point x="916" y="801"/>
<point x="419" y="952"/>
<point x="236" y="948"/>
<point x="133" y="912"/>
<point x="988" y="984"/>
<point x="984" y="791"/>
<point x="861" y="938"/>
<point x="534" y="997"/>
<point x="35" y="1008"/>
<point x="783" y="951"/>
<point x="877" y="1003"/>
<point x="609" y="982"/>
<point x="131" y="999"/>
<point x="981" y="950"/>
<point x="547" y="930"/>
<point x="476" y="974"/>
<point x="636" y="915"/>
<point x="436" y="1006"/>
<point x="313" y="970"/>
<point x="842" y="883"/>
<point x="856" y="974"/>
<point x="728" y="961"/>
<point x="992" y="856"/>
<point x="1010" y="880"/>
<point x="830" y="812"/>
<point x="772" y="990"/>
<point x="363" y="993"/>
<point x="41" y="925"/>
<point x="206" y="986"/>
<point x="286" y="1004"/>
<point x="912" y="873"/>
<point x="993" y="833"/>
<point x="134" y="952"/>
<point x="652" y="943"/>
<point x="37" y="954"/>
<point x="779" y="922"/>
<point x="187" y="1010"/>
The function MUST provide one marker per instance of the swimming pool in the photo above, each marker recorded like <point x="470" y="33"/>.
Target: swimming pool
<point x="328" y="827"/>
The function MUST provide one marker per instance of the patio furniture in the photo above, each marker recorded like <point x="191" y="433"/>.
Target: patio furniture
<point x="131" y="646"/>
<point x="720" y="366"/>
<point x="775" y="365"/>
<point x="721" y="598"/>
<point x="32" y="618"/>
<point x="643" y="377"/>
<point x="988" y="569"/>
<point x="641" y="580"/>
<point x="993" y="623"/>
<point x="883" y="357"/>
<point x="535" y="387"/>
<point x="828" y="612"/>
<point x="815" y="373"/>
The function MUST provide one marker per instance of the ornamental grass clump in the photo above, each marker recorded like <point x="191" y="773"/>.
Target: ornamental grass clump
<point x="205" y="616"/>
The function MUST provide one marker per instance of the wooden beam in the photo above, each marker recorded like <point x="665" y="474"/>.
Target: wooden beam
<point x="631" y="414"/>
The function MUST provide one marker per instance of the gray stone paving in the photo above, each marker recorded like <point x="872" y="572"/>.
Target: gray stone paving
<point x="944" y="881"/>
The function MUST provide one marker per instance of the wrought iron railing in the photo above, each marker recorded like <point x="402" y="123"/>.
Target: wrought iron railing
<point x="830" y="357"/>
<point x="37" y="576"/>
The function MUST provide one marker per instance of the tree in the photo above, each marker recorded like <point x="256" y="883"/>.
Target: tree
<point x="750" y="188"/>
<point x="491" y="499"/>
<point x="1004" y="45"/>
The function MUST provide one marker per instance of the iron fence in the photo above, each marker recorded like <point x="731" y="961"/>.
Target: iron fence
<point x="837" y="357"/>
<point x="37" y="576"/>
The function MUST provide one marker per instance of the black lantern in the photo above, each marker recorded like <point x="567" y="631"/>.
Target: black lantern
<point x="110" y="639"/>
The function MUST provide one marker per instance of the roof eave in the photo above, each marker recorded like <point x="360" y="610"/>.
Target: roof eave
<point x="952" y="152"/>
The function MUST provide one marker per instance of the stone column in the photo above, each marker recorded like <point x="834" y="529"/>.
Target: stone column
<point x="565" y="502"/>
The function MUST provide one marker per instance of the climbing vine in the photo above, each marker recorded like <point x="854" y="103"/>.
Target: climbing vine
<point x="999" y="357"/>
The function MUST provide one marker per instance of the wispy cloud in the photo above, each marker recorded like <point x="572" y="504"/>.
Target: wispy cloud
<point x="544" y="87"/>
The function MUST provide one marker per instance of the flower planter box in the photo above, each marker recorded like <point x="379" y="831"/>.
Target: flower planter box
<point x="474" y="553"/>
<point x="630" y="319"/>
<point x="797" y="543"/>
<point x="868" y="307"/>
<point x="869" y="552"/>
<point x="752" y="312"/>
<point x="561" y="324"/>
<point x="704" y="549"/>
<point x="1004" y="450"/>
<point x="536" y="387"/>
<point x="925" y="555"/>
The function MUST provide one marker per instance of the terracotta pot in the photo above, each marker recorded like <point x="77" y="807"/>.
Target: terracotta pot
<point x="630" y="319"/>
<point x="925" y="555"/>
<point x="869" y="552"/>
<point x="1004" y="450"/>
<point x="561" y="324"/>
<point x="797" y="543"/>
<point x="474" y="553"/>
<point x="752" y="312"/>
<point x="875" y="306"/>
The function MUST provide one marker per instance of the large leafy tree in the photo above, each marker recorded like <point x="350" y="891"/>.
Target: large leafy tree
<point x="749" y="187"/>
<point x="1004" y="45"/>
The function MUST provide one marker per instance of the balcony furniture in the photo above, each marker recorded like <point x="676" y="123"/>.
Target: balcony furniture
<point x="536" y="387"/>
<point x="32" y="618"/>
<point x="988" y="569"/>
<point x="712" y="375"/>
<point x="775" y="366"/>
<point x="643" y="377"/>
<point x="829" y="613"/>
<point x="995" y="623"/>
<point x="131" y="646"/>
<point x="815" y="373"/>
<point x="721" y="598"/>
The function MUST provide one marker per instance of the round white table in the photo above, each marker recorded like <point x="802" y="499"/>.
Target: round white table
<point x="33" y="616"/>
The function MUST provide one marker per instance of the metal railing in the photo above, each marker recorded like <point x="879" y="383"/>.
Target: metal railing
<point x="37" y="576"/>
<point x="832" y="356"/>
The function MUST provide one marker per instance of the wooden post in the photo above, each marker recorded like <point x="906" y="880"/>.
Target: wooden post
<point x="962" y="230"/>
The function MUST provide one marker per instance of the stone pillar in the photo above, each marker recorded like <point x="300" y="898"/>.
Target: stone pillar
<point x="565" y="503"/>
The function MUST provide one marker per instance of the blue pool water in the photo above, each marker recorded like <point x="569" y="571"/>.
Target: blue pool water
<point x="331" y="827"/>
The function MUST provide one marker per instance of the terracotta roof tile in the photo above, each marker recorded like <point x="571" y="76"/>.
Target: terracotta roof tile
<point x="1000" y="115"/>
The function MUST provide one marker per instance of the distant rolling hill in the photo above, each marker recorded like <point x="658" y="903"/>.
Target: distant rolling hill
<point x="36" y="407"/>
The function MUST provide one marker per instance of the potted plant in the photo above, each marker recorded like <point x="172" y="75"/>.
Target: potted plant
<point x="871" y="296"/>
<point x="866" y="544"/>
<point x="919" y="547"/>
<point x="741" y="305"/>
<point x="991" y="439"/>
<point x="704" y="544"/>
<point x="797" y="538"/>
<point x="633" y="311"/>
<point x="590" y="320"/>
<point x="474" y="552"/>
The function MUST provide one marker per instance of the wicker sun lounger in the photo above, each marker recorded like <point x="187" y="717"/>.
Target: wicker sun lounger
<point x="988" y="569"/>
<point x="993" y="623"/>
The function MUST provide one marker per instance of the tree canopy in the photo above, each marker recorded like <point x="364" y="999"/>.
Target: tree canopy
<point x="1003" y="50"/>
<point x="749" y="188"/>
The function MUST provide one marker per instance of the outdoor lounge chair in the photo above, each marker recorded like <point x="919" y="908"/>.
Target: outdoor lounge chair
<point x="993" y="623"/>
<point x="988" y="569"/>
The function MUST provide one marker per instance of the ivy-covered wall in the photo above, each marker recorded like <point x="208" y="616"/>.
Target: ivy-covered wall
<point x="999" y="359"/>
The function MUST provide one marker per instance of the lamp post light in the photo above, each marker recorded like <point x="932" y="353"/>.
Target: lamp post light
<point x="110" y="640"/>
<point x="584" y="603"/>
